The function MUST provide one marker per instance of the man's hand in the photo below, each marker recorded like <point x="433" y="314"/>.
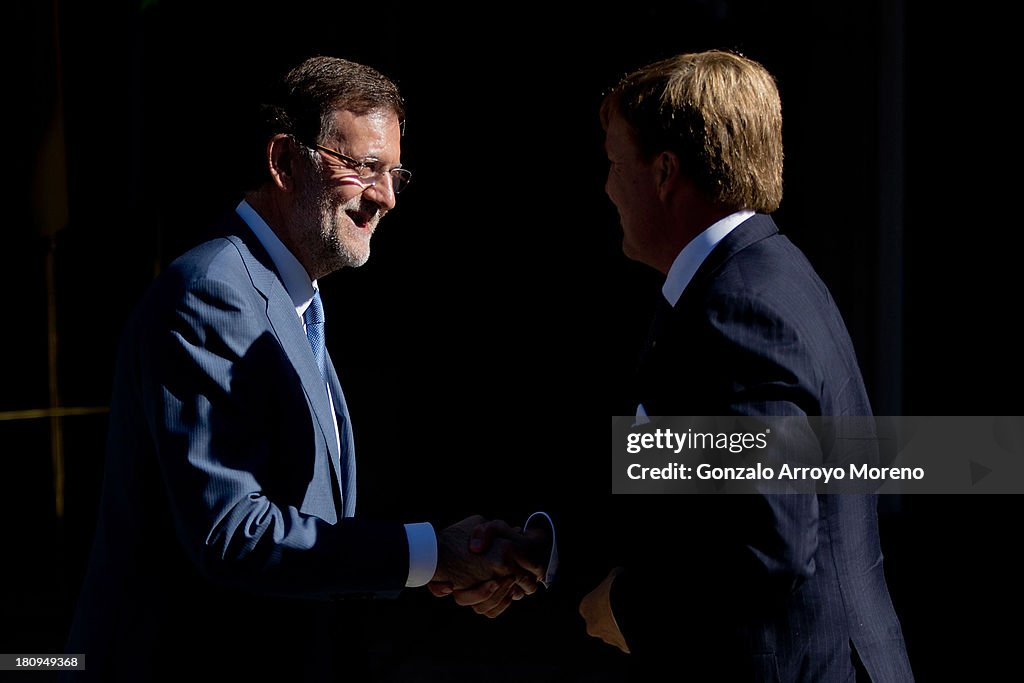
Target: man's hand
<point x="517" y="561"/>
<point x="462" y="566"/>
<point x="596" y="610"/>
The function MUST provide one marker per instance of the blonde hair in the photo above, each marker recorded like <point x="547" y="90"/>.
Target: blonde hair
<point x="720" y="113"/>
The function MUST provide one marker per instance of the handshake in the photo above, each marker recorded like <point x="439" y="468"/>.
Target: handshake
<point x="487" y="565"/>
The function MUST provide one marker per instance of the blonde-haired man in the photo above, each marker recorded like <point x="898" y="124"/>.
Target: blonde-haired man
<point x="757" y="588"/>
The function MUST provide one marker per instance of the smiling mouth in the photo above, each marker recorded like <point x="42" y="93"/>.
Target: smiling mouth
<point x="361" y="219"/>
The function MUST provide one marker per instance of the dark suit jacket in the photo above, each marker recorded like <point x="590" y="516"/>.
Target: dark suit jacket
<point x="221" y="540"/>
<point x="749" y="587"/>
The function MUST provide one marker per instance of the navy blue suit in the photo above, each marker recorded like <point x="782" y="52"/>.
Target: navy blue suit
<point x="221" y="537"/>
<point x="745" y="587"/>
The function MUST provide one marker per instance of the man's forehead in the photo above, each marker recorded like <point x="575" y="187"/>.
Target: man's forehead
<point x="377" y="118"/>
<point x="618" y="134"/>
<point x="378" y="128"/>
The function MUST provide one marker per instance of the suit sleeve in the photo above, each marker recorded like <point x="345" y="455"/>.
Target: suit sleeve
<point x="197" y="362"/>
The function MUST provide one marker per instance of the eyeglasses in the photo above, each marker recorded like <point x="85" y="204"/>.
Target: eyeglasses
<point x="369" y="168"/>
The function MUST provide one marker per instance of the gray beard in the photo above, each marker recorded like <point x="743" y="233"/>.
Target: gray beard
<point x="315" y="214"/>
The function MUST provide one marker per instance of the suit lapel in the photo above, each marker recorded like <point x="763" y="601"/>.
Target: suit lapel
<point x="296" y="346"/>
<point x="348" y="455"/>
<point x="288" y="328"/>
<point x="754" y="229"/>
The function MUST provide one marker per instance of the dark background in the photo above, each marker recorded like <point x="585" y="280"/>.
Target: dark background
<point x="490" y="336"/>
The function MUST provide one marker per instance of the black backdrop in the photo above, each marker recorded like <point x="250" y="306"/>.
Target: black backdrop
<point x="489" y="337"/>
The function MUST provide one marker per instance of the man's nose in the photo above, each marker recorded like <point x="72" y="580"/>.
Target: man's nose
<point x="382" y="192"/>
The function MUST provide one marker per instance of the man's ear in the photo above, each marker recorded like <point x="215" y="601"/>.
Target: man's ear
<point x="281" y="161"/>
<point x="666" y="170"/>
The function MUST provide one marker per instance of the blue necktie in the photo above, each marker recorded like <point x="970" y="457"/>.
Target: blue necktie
<point x="314" y="317"/>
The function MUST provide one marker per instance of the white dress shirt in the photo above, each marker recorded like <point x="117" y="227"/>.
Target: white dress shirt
<point x="695" y="253"/>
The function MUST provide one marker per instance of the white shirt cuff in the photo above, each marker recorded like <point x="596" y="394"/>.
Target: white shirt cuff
<point x="552" y="568"/>
<point x="422" y="554"/>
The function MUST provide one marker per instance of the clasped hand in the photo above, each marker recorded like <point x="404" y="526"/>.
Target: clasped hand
<point x="487" y="565"/>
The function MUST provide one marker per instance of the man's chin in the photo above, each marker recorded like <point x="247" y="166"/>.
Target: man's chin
<point x="353" y="258"/>
<point x="629" y="251"/>
<point x="352" y="250"/>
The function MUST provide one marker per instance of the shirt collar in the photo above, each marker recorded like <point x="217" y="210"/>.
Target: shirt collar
<point x="293" y="276"/>
<point x="693" y="254"/>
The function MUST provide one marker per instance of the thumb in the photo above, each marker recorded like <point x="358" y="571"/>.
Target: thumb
<point x="481" y="538"/>
<point x="439" y="589"/>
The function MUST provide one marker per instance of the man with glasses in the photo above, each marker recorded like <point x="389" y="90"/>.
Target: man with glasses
<point x="227" y="520"/>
